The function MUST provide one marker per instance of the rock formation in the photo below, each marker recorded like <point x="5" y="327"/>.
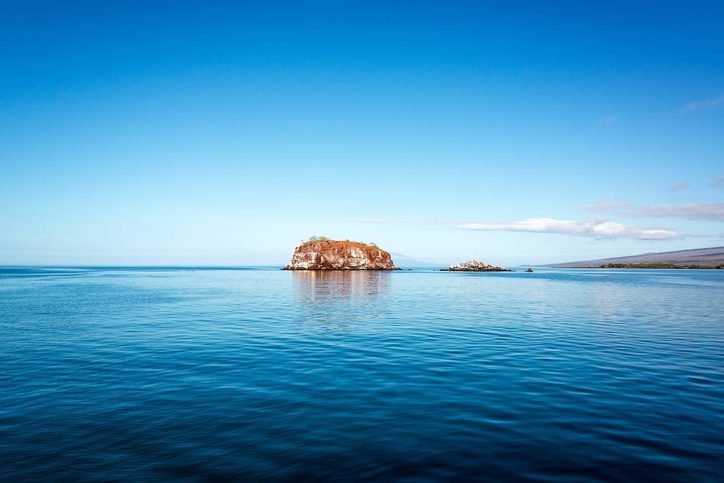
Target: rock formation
<point x="474" y="266"/>
<point x="339" y="255"/>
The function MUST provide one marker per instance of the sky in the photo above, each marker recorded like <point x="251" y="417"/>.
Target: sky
<point x="224" y="133"/>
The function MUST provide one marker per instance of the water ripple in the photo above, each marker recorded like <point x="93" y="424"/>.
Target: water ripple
<point x="148" y="374"/>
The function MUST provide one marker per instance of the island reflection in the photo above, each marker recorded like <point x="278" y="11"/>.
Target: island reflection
<point x="340" y="285"/>
<point x="339" y="302"/>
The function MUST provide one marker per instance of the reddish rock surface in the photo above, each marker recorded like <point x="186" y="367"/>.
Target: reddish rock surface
<point x="339" y="255"/>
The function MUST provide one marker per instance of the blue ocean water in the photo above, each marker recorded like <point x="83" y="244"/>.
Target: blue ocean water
<point x="211" y="374"/>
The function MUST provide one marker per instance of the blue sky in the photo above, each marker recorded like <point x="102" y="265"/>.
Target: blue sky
<point x="226" y="132"/>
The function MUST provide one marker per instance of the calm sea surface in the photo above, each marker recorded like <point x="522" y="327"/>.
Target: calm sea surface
<point x="205" y="374"/>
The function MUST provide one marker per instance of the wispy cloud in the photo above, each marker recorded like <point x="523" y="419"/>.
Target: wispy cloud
<point x="706" y="104"/>
<point x="718" y="182"/>
<point x="607" y="206"/>
<point x="372" y="220"/>
<point x="594" y="229"/>
<point x="693" y="211"/>
<point x="678" y="186"/>
<point x="400" y="221"/>
<point x="609" y="119"/>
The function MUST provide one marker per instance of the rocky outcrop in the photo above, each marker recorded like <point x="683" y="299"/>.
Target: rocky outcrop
<point x="474" y="266"/>
<point x="339" y="255"/>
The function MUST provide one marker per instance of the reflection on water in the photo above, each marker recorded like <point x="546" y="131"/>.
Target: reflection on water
<point x="320" y="285"/>
<point x="339" y="300"/>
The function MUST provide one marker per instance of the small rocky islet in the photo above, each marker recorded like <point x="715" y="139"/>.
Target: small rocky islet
<point x="474" y="266"/>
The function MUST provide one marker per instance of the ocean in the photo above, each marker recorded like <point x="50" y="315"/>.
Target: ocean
<point x="201" y="374"/>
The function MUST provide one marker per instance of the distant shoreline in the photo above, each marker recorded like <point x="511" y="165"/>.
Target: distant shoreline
<point x="665" y="266"/>
<point x="697" y="258"/>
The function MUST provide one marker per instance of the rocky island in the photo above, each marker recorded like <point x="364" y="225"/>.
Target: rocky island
<point x="320" y="253"/>
<point x="474" y="266"/>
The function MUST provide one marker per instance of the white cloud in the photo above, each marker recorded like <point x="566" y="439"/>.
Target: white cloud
<point x="595" y="229"/>
<point x="694" y="211"/>
<point x="610" y="119"/>
<point x="706" y="104"/>
<point x="678" y="186"/>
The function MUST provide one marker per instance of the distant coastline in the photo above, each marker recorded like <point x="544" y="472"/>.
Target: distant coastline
<point x="700" y="258"/>
<point x="660" y="265"/>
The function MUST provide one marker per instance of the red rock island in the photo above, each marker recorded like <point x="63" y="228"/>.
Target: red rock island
<point x="323" y="254"/>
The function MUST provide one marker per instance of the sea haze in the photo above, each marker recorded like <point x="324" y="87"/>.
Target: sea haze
<point x="197" y="374"/>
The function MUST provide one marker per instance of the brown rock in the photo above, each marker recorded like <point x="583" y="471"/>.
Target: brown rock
<point x="339" y="255"/>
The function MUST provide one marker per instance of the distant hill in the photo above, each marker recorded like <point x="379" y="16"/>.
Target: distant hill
<point x="403" y="261"/>
<point x="700" y="257"/>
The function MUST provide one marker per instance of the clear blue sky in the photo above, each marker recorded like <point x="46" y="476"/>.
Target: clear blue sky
<point x="226" y="132"/>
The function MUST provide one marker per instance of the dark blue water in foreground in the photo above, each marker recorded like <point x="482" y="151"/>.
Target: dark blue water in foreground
<point x="150" y="374"/>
